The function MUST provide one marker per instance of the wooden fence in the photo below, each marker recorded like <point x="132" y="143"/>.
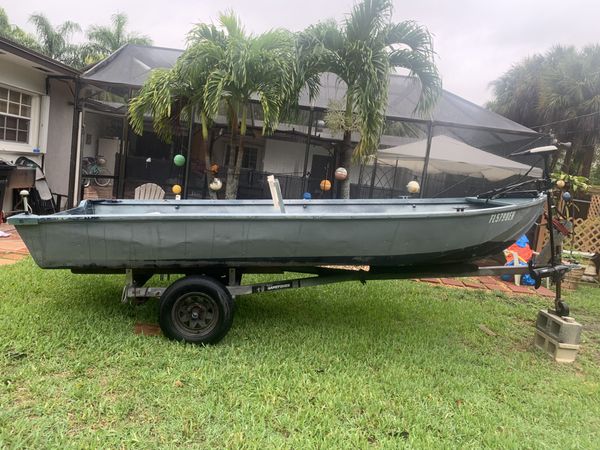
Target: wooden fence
<point x="586" y="236"/>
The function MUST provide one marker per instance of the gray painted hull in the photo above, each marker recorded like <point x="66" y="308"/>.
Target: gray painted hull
<point x="100" y="236"/>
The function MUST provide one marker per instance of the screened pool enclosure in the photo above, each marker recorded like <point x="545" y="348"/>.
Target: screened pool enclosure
<point x="459" y="149"/>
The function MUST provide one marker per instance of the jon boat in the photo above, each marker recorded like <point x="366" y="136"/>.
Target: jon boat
<point x="213" y="243"/>
<point x="188" y="235"/>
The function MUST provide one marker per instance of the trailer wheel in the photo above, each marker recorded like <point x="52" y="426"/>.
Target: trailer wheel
<point x="196" y="309"/>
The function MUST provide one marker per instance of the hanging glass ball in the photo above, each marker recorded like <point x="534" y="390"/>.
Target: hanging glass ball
<point x="325" y="185"/>
<point x="176" y="189"/>
<point x="341" y="174"/>
<point x="179" y="160"/>
<point x="215" y="185"/>
<point x="413" y="187"/>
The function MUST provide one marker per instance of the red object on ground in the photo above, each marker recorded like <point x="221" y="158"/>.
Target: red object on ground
<point x="525" y="253"/>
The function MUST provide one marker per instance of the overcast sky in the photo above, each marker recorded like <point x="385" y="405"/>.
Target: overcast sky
<point x="476" y="41"/>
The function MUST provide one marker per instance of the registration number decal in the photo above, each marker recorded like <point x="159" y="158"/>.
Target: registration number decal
<point x="502" y="217"/>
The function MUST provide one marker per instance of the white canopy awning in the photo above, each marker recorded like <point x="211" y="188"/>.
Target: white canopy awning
<point x="449" y="155"/>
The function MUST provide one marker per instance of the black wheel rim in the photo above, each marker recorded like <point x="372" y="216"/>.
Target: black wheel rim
<point x="195" y="314"/>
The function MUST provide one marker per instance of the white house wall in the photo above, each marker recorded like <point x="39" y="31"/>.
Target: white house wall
<point x="60" y="126"/>
<point x="22" y="77"/>
<point x="30" y="81"/>
<point x="26" y="79"/>
<point x="288" y="157"/>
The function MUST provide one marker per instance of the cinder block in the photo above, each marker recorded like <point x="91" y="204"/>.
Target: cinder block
<point x="562" y="329"/>
<point x="559" y="352"/>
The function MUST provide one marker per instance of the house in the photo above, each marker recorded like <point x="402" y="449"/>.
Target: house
<point x="37" y="99"/>
<point x="301" y="154"/>
<point x="107" y="160"/>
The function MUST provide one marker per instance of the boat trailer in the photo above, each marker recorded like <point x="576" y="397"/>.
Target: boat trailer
<point x="198" y="308"/>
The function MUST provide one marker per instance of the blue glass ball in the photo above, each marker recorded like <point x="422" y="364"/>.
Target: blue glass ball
<point x="307" y="196"/>
<point x="567" y="196"/>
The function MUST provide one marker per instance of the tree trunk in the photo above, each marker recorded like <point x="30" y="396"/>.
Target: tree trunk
<point x="346" y="154"/>
<point x="205" y="148"/>
<point x="589" y="149"/>
<point x="588" y="159"/>
<point x="207" y="163"/>
<point x="346" y="161"/>
<point x="231" y="158"/>
<point x="235" y="163"/>
<point x="231" y="187"/>
<point x="566" y="165"/>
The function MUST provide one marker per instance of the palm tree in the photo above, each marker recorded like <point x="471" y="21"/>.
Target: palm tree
<point x="170" y="96"/>
<point x="55" y="41"/>
<point x="242" y="66"/>
<point x="362" y="52"/>
<point x="517" y="92"/>
<point x="223" y="68"/>
<point x="105" y="40"/>
<point x="14" y="33"/>
<point x="557" y="93"/>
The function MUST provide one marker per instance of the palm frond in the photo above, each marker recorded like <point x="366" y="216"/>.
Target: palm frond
<point x="366" y="18"/>
<point x="425" y="70"/>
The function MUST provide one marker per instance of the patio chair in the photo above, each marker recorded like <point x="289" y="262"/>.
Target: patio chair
<point x="149" y="191"/>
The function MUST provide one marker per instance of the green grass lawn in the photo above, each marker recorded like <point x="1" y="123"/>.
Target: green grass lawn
<point x="389" y="364"/>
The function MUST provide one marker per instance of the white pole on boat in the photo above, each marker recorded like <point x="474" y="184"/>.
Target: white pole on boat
<point x="25" y="196"/>
<point x="276" y="193"/>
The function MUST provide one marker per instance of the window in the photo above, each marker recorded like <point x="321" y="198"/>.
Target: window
<point x="250" y="159"/>
<point x="15" y="116"/>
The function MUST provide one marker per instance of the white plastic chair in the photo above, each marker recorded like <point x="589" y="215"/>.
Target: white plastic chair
<point x="149" y="191"/>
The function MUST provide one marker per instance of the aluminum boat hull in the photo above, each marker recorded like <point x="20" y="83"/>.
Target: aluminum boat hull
<point x="113" y="235"/>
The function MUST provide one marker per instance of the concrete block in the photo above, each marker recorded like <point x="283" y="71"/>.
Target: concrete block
<point x="559" y="352"/>
<point x="590" y="270"/>
<point x="562" y="329"/>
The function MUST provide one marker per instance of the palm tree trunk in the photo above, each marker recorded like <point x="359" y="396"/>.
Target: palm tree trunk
<point x="589" y="150"/>
<point x="205" y="149"/>
<point x="207" y="163"/>
<point x="230" y="192"/>
<point x="346" y="161"/>
<point x="235" y="163"/>
<point x="346" y="156"/>
<point x="570" y="154"/>
<point x="566" y="165"/>
<point x="588" y="158"/>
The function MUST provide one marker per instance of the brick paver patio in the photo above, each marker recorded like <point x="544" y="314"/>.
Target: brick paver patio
<point x="489" y="284"/>
<point x="12" y="248"/>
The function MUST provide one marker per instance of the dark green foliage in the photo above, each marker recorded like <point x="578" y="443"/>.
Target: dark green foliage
<point x="557" y="92"/>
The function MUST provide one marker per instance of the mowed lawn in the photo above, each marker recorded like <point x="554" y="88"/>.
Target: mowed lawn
<point x="390" y="364"/>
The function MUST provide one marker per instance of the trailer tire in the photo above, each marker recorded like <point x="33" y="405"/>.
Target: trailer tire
<point x="196" y="309"/>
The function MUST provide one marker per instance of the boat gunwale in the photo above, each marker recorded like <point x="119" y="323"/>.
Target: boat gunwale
<point x="500" y="206"/>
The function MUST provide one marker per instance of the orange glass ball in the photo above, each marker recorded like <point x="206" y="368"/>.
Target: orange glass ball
<point x="325" y="185"/>
<point x="176" y="189"/>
